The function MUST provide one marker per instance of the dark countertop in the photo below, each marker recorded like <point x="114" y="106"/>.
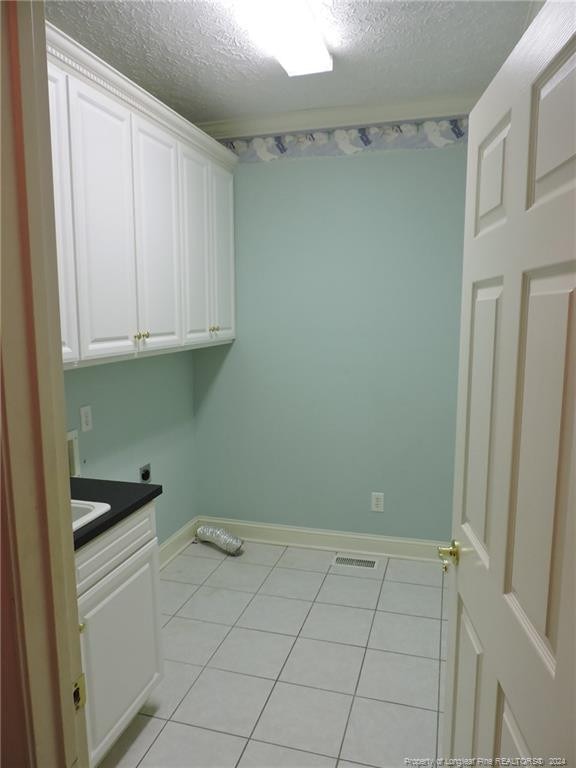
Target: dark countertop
<point x="124" y="499"/>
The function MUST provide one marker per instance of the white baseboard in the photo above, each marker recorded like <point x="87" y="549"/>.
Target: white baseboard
<point x="177" y="542"/>
<point x="289" y="535"/>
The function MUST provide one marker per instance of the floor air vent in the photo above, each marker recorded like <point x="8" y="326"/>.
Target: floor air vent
<point x="354" y="562"/>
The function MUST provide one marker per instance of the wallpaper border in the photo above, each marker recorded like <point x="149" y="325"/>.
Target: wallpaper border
<point x="434" y="133"/>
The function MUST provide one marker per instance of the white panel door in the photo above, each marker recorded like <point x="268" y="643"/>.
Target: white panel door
<point x="63" y="212"/>
<point x="120" y="647"/>
<point x="104" y="221"/>
<point x="511" y="684"/>
<point x="222" y="261"/>
<point x="156" y="199"/>
<point x="194" y="194"/>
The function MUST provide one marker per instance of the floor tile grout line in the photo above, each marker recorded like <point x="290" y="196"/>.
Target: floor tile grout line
<point x="204" y="580"/>
<point x="313" y="602"/>
<point x="329" y="573"/>
<point x="178" y="615"/>
<point x="296" y="749"/>
<point x="412" y="583"/>
<point x="248" y="739"/>
<point x="263" y="594"/>
<point x="154" y="740"/>
<point x="300" y="685"/>
<point x="233" y="589"/>
<point x="389" y="580"/>
<point x="380" y="610"/>
<point x="403" y="613"/>
<point x="313" y="549"/>
<point x="298" y="570"/>
<point x="198" y="557"/>
<point x="204" y="666"/>
<point x="313" y="687"/>
<point x="203" y="583"/>
<point x="283" y="547"/>
<point x="345" y="731"/>
<point x="301" y="636"/>
<point x="320" y="602"/>
<point x="207" y="728"/>
<point x="271" y="567"/>
<point x="279" y="673"/>
<point x="361" y="765"/>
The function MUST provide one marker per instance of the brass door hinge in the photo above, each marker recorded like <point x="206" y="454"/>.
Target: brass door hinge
<point x="79" y="692"/>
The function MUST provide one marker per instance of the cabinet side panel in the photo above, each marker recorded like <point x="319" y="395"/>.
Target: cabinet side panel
<point x="223" y="244"/>
<point x="60" y="144"/>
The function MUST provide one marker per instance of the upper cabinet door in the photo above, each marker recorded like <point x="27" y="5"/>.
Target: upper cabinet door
<point x="63" y="213"/>
<point x="104" y="221"/>
<point x="194" y="193"/>
<point x="223" y="252"/>
<point x="156" y="201"/>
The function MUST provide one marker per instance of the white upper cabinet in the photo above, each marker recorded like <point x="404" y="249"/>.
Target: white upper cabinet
<point x="195" y="211"/>
<point x="63" y="213"/>
<point x="101" y="145"/>
<point x="156" y="200"/>
<point x="222" y="253"/>
<point x="144" y="216"/>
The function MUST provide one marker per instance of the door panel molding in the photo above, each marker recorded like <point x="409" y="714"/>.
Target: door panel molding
<point x="515" y="458"/>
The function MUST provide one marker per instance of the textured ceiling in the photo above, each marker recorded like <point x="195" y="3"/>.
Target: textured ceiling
<point x="195" y="57"/>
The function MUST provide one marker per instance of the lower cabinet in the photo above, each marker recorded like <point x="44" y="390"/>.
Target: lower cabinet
<point x="120" y="639"/>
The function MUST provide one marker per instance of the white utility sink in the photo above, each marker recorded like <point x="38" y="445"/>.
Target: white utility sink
<point x="85" y="511"/>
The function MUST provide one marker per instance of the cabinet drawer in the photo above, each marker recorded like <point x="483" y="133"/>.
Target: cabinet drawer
<point x="107" y="551"/>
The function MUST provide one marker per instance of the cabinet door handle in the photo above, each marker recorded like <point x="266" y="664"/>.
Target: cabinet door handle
<point x="146" y="335"/>
<point x="137" y="336"/>
<point x="217" y="328"/>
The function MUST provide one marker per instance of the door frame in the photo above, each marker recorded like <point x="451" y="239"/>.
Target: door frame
<point x="40" y="638"/>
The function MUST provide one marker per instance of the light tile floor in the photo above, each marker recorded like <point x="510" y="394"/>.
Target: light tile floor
<point x="278" y="659"/>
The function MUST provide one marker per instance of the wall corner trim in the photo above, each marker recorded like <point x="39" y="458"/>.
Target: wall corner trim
<point x="314" y="538"/>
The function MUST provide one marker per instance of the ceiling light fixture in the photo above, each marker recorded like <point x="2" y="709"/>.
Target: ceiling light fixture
<point x="289" y="31"/>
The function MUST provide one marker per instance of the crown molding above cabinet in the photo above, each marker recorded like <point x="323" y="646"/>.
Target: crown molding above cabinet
<point x="144" y="217"/>
<point x="335" y="117"/>
<point x="69" y="55"/>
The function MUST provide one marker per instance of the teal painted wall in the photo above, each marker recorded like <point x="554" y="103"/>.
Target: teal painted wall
<point x="142" y="411"/>
<point x="343" y="378"/>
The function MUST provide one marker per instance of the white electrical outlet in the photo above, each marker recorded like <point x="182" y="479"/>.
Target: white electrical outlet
<point x="377" y="502"/>
<point x="86" y="418"/>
